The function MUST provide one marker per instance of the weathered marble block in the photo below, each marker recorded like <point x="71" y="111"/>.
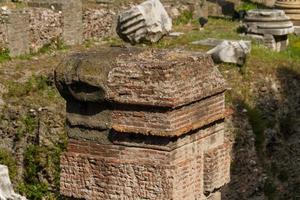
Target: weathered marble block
<point x="6" y="188"/>
<point x="143" y="124"/>
<point x="269" y="26"/>
<point x="146" y="22"/>
<point x="292" y="10"/>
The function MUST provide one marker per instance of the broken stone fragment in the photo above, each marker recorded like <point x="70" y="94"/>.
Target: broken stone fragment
<point x="231" y="52"/>
<point x="147" y="22"/>
<point x="6" y="189"/>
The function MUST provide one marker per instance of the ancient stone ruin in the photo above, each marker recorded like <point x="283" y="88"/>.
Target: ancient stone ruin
<point x="143" y="124"/>
<point x="147" y="22"/>
<point x="231" y="52"/>
<point x="6" y="189"/>
<point x="271" y="27"/>
<point x="291" y="9"/>
<point x="72" y="27"/>
<point x="25" y="30"/>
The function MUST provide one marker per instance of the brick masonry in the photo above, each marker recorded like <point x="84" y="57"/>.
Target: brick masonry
<point x="151" y="133"/>
<point x="95" y="171"/>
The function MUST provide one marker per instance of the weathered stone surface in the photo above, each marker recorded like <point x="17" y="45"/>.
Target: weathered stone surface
<point x="141" y="82"/>
<point x="146" y="170"/>
<point x="273" y="22"/>
<point x="72" y="22"/>
<point x="18" y="32"/>
<point x="45" y="27"/>
<point x="231" y="52"/>
<point x="143" y="124"/>
<point x="270" y="26"/>
<point x="147" y="22"/>
<point x="292" y="10"/>
<point x="71" y="18"/>
<point x="6" y="189"/>
<point x="54" y="21"/>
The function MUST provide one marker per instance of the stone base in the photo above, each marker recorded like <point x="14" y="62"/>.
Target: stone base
<point x="191" y="167"/>
<point x="297" y="30"/>
<point x="275" y="43"/>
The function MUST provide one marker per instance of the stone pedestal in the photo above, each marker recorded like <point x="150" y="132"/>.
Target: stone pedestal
<point x="143" y="124"/>
<point x="292" y="10"/>
<point x="269" y="26"/>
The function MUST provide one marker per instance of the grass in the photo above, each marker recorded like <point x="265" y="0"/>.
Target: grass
<point x="225" y="30"/>
<point x="6" y="158"/>
<point x="40" y="160"/>
<point x="248" y="5"/>
<point x="185" y="18"/>
<point x="4" y="55"/>
<point x="54" y="45"/>
<point x="259" y="125"/>
<point x="39" y="85"/>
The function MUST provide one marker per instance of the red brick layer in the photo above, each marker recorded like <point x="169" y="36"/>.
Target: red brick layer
<point x="170" y="123"/>
<point x="108" y="172"/>
<point x="217" y="168"/>
<point x="151" y="77"/>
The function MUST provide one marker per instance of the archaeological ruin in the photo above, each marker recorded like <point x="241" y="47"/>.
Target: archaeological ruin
<point x="147" y="22"/>
<point x="291" y="9"/>
<point x="149" y="99"/>
<point x="143" y="127"/>
<point x="269" y="26"/>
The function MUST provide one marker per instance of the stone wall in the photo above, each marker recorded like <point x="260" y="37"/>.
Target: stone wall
<point x="14" y="31"/>
<point x="45" y="27"/>
<point x="73" y="22"/>
<point x="98" y="23"/>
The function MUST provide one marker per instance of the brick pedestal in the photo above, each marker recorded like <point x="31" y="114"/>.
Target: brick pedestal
<point x="143" y="124"/>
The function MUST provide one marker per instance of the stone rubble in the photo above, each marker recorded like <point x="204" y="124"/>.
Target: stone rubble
<point x="231" y="52"/>
<point x="147" y="22"/>
<point x="45" y="27"/>
<point x="98" y="23"/>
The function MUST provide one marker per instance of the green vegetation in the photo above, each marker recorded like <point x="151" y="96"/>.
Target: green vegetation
<point x="54" y="45"/>
<point x="36" y="84"/>
<point x="270" y="190"/>
<point x="29" y="124"/>
<point x="6" y="158"/>
<point x="39" y="160"/>
<point x="38" y="90"/>
<point x="4" y="55"/>
<point x="226" y="30"/>
<point x="185" y="18"/>
<point x="259" y="125"/>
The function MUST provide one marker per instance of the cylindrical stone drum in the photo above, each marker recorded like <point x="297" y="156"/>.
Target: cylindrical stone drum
<point x="292" y="10"/>
<point x="273" y="22"/>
